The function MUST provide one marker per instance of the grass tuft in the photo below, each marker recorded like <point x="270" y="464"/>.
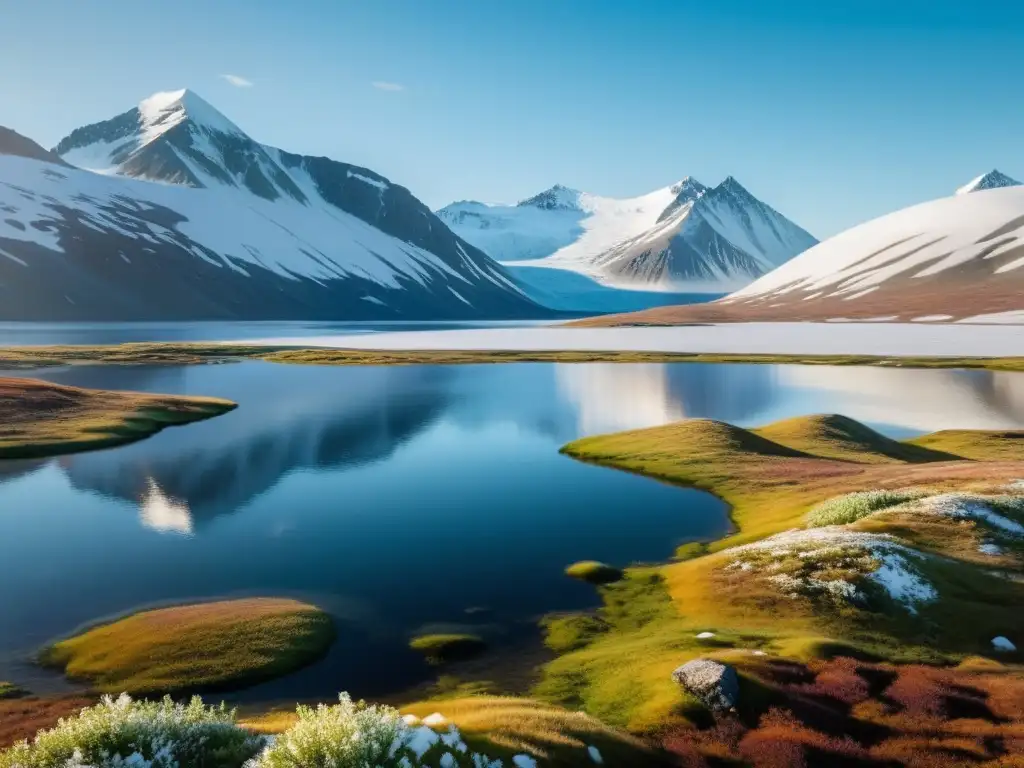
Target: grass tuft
<point x="593" y="572"/>
<point x="445" y="648"/>
<point x="207" y="646"/>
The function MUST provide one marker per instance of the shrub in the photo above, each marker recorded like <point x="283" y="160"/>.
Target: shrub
<point x="851" y="507"/>
<point x="121" y="732"/>
<point x="594" y="572"/>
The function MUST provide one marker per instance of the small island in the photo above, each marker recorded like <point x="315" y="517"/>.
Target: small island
<point x="41" y="419"/>
<point x="221" y="645"/>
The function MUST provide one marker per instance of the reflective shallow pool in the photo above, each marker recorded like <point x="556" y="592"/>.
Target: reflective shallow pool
<point x="401" y="499"/>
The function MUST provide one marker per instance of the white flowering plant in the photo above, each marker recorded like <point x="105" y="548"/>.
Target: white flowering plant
<point x="124" y="733"/>
<point x="357" y="735"/>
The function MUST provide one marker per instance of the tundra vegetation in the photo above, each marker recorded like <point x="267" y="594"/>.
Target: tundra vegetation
<point x="868" y="599"/>
<point x="38" y="418"/>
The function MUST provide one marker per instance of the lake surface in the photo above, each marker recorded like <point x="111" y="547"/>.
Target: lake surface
<point x="401" y="499"/>
<point x="15" y="333"/>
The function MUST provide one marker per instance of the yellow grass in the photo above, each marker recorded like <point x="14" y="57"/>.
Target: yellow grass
<point x="38" y="418"/>
<point x="206" y="646"/>
<point x="182" y="353"/>
<point x="771" y="477"/>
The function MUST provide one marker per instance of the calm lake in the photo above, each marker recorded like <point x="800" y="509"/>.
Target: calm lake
<point x="401" y="499"/>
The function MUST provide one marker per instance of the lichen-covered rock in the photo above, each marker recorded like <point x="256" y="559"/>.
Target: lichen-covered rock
<point x="712" y="682"/>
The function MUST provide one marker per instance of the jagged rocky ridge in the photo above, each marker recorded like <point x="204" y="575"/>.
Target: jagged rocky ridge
<point x="686" y="236"/>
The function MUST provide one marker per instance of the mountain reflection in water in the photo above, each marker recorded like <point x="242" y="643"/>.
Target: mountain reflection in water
<point x="400" y="497"/>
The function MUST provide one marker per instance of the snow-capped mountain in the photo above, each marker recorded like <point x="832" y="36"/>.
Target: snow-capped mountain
<point x="685" y="236"/>
<point x="994" y="179"/>
<point x="170" y="211"/>
<point x="960" y="258"/>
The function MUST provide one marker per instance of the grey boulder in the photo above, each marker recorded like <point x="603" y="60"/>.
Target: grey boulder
<point x="712" y="682"/>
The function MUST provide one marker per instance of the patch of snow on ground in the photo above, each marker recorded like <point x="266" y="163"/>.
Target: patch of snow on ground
<point x="1003" y="644"/>
<point x="595" y="755"/>
<point x="932" y="318"/>
<point x="884" y="339"/>
<point x="902" y="584"/>
<point x="877" y="557"/>
<point x="988" y="548"/>
<point x="705" y="635"/>
<point x="997" y="318"/>
<point x="962" y="506"/>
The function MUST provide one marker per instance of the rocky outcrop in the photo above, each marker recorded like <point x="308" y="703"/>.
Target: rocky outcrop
<point x="713" y="682"/>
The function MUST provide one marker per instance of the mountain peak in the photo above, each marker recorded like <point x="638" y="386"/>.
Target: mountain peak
<point x="687" y="190"/>
<point x="994" y="179"/>
<point x="688" y="187"/>
<point x="558" y="197"/>
<point x="165" y="110"/>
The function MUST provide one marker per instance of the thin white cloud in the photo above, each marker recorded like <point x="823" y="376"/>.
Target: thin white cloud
<point x="382" y="85"/>
<point x="238" y="81"/>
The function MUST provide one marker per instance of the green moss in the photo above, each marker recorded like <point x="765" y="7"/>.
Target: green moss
<point x="771" y="477"/>
<point x="208" y="646"/>
<point x="11" y="691"/>
<point x="444" y="648"/>
<point x="691" y="550"/>
<point x="569" y="632"/>
<point x="593" y="572"/>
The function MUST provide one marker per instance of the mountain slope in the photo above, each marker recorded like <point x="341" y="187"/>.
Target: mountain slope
<point x="723" y="237"/>
<point x="686" y="236"/>
<point x="231" y="229"/>
<point x="992" y="180"/>
<point x="956" y="258"/>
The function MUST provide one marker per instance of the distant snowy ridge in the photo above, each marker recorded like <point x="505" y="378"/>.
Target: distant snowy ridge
<point x="957" y="259"/>
<point x="983" y="231"/>
<point x="683" y="237"/>
<point x="230" y="228"/>
<point x="992" y="180"/>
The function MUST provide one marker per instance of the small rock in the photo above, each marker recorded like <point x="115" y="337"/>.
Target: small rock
<point x="1003" y="644"/>
<point x="712" y="682"/>
<point x="435" y="720"/>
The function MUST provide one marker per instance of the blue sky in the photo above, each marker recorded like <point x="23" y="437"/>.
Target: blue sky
<point x="831" y="112"/>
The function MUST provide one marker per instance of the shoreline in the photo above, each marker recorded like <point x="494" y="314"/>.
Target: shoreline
<point x="205" y="353"/>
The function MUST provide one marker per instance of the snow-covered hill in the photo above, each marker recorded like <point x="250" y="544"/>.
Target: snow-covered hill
<point x="684" y="237"/>
<point x="960" y="258"/>
<point x="994" y="179"/>
<point x="173" y="212"/>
